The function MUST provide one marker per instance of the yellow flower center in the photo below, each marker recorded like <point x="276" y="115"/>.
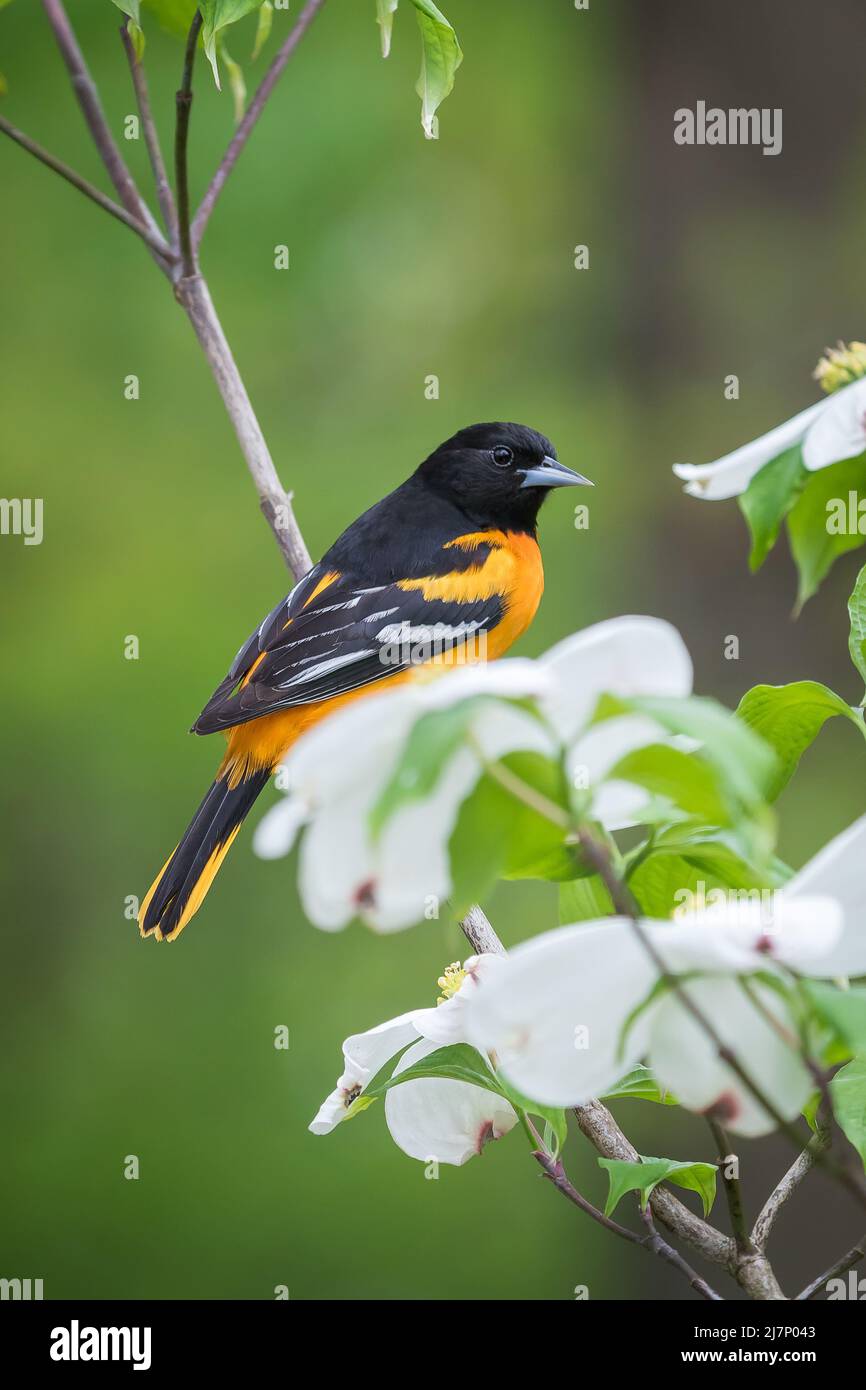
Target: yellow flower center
<point x="450" y="981"/>
<point x="841" y="365"/>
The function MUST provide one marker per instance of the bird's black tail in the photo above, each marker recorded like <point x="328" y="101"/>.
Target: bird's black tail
<point x="180" y="888"/>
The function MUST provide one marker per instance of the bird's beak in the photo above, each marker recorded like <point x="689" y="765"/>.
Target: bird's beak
<point x="551" y="473"/>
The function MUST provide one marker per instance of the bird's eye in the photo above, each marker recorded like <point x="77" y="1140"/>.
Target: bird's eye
<point x="502" y="456"/>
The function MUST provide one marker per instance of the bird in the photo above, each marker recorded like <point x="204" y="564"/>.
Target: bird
<point x="448" y="559"/>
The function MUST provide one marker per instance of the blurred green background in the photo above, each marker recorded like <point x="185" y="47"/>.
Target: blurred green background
<point x="408" y="257"/>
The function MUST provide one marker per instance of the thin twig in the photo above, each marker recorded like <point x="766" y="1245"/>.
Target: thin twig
<point x="732" y="1189"/>
<point x="164" y="194"/>
<point x="848" y="1261"/>
<point x="181" y="139"/>
<point x="276" y="504"/>
<point x="653" y="1242"/>
<point x="88" y="99"/>
<point x="786" y="1187"/>
<point x="156" y="243"/>
<point x="254" y="110"/>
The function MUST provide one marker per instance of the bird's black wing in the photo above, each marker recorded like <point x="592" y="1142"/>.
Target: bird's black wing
<point x="333" y="634"/>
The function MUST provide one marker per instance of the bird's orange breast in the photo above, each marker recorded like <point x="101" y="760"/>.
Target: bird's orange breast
<point x="511" y="571"/>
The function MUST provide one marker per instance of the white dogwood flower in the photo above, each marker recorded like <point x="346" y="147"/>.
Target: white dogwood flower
<point x="432" y="1118"/>
<point x="337" y="773"/>
<point x="831" y="430"/>
<point x="572" y="1010"/>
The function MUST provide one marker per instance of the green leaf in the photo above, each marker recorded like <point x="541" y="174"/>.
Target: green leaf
<point x="685" y="779"/>
<point x="813" y="546"/>
<point x="769" y="497"/>
<point x="237" y="85"/>
<point x="643" y="1177"/>
<point x="432" y="741"/>
<point x="639" y="1084"/>
<point x="583" y="900"/>
<point x="848" y="1091"/>
<point x="843" y="1009"/>
<point x="385" y="20"/>
<point x="744" y="761"/>
<point x="263" y="29"/>
<point x="216" y="16"/>
<point x="857" y="618"/>
<point x="441" y="56"/>
<point x="132" y="8"/>
<point x="459" y="1062"/>
<point x="789" y="717"/>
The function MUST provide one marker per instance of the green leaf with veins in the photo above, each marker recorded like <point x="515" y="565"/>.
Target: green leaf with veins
<point x="769" y="497"/>
<point x="459" y="1062"/>
<point x="645" y="1176"/>
<point x="814" y="548"/>
<point x="584" y="900"/>
<point x="744" y="761"/>
<point x="441" y="56"/>
<point x="639" y="1084"/>
<point x="216" y="16"/>
<point x="685" y="779"/>
<point x="789" y="718"/>
<point x="848" y="1093"/>
<point x="857" y="620"/>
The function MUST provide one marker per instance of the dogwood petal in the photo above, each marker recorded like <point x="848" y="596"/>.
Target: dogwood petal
<point x="685" y="1059"/>
<point x="730" y="475"/>
<point x="278" y="829"/>
<point x="591" y="758"/>
<point x="438" y="1119"/>
<point x="745" y="934"/>
<point x="364" y="1055"/>
<point x="623" y="656"/>
<point x="839" y="432"/>
<point x="554" y="1013"/>
<point x="839" y="871"/>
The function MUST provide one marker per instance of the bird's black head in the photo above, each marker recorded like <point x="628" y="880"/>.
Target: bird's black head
<point x="497" y="474"/>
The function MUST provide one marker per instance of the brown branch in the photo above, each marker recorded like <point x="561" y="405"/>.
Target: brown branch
<point x="732" y="1190"/>
<point x="652" y="1241"/>
<point x="88" y="99"/>
<point x="848" y="1261"/>
<point x="193" y="294"/>
<point x="254" y="110"/>
<point x="181" y="140"/>
<point x="156" y="243"/>
<point x="785" y="1189"/>
<point x="164" y="194"/>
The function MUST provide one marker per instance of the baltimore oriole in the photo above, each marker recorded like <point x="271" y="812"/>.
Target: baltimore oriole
<point x="450" y="555"/>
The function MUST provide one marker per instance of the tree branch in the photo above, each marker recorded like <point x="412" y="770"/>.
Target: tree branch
<point x="731" y="1185"/>
<point x="155" y="242"/>
<point x="181" y="139"/>
<point x="88" y="99"/>
<point x="254" y="110"/>
<point x="848" y="1261"/>
<point x="164" y="194"/>
<point x="652" y="1241"/>
<point x="799" y="1169"/>
<point x="193" y="294"/>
